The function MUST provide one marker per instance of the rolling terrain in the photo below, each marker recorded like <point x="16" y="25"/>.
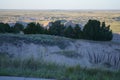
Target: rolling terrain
<point x="60" y="58"/>
<point x="62" y="51"/>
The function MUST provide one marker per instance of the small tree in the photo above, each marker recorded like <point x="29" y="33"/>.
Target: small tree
<point x="18" y="27"/>
<point x="105" y="32"/>
<point x="77" y="32"/>
<point x="39" y="29"/>
<point x="4" y="28"/>
<point x="33" y="28"/>
<point x="93" y="31"/>
<point x="56" y="28"/>
<point x="30" y="29"/>
<point x="69" y="32"/>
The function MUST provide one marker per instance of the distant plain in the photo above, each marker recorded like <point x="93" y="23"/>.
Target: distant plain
<point x="111" y="17"/>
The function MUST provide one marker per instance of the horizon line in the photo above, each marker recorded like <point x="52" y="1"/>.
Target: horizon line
<point x="64" y="9"/>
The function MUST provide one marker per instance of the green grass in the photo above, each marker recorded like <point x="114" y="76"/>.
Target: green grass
<point x="37" y="68"/>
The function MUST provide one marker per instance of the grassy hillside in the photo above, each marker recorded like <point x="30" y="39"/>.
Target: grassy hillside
<point x="68" y="51"/>
<point x="39" y="69"/>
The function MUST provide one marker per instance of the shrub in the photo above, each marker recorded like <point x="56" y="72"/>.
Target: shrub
<point x="4" y="28"/>
<point x="17" y="28"/>
<point x="94" y="31"/>
<point x="33" y="28"/>
<point x="77" y="32"/>
<point x="69" y="32"/>
<point x="56" y="28"/>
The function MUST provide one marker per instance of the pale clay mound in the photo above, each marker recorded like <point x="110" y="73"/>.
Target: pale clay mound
<point x="89" y="54"/>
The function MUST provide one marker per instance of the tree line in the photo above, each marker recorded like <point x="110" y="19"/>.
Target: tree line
<point x="5" y="28"/>
<point x="93" y="30"/>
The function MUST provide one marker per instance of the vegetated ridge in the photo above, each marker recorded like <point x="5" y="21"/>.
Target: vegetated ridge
<point x="62" y="51"/>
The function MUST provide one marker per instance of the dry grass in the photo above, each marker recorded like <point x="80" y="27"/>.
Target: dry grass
<point x="78" y="16"/>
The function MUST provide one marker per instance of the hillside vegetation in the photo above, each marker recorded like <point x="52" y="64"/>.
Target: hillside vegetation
<point x="93" y="30"/>
<point x="40" y="55"/>
<point x="54" y="48"/>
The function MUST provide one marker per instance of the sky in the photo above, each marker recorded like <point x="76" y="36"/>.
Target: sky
<point x="60" y="4"/>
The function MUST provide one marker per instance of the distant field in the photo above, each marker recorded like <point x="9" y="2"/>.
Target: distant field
<point x="78" y="16"/>
<point x="115" y="26"/>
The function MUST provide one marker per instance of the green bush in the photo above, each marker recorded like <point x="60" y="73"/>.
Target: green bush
<point x="94" y="31"/>
<point x="4" y="28"/>
<point x="69" y="32"/>
<point x="17" y="28"/>
<point x="33" y="28"/>
<point x="56" y="28"/>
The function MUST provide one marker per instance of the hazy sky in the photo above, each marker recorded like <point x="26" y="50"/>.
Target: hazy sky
<point x="59" y="4"/>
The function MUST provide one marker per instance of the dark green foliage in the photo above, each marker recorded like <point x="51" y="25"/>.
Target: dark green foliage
<point x="69" y="32"/>
<point x="77" y="32"/>
<point x="33" y="28"/>
<point x="91" y="28"/>
<point x="94" y="31"/>
<point x="17" y="28"/>
<point x="39" y="29"/>
<point x="30" y="29"/>
<point x="4" y="28"/>
<point x="56" y="28"/>
<point x="106" y="33"/>
<point x="46" y="31"/>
